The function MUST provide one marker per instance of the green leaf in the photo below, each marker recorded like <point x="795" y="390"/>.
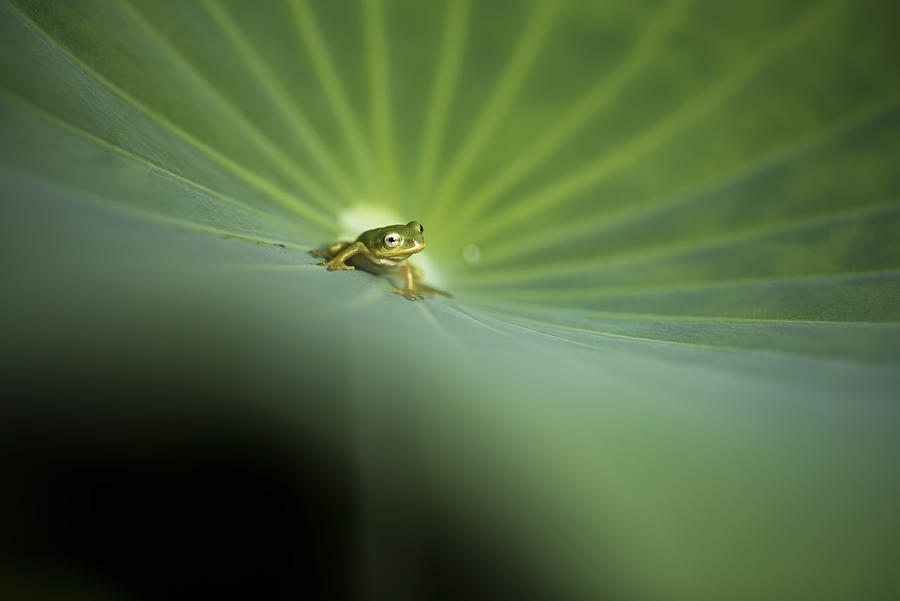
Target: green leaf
<point x="671" y="362"/>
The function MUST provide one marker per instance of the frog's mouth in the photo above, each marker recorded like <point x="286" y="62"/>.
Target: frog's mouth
<point x="417" y="247"/>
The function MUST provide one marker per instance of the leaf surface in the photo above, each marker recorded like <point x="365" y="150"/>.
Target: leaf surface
<point x="671" y="362"/>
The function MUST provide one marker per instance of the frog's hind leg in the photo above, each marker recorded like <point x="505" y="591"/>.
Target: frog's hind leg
<point x="331" y="251"/>
<point x="424" y="288"/>
<point x="409" y="291"/>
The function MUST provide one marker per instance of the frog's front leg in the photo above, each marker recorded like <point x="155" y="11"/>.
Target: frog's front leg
<point x="338" y="261"/>
<point x="409" y="288"/>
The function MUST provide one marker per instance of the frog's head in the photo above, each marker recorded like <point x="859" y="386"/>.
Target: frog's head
<point x="397" y="240"/>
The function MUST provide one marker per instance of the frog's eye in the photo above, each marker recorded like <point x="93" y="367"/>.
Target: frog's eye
<point x="392" y="240"/>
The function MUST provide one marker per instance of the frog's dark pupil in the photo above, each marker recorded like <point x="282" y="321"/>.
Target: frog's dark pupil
<point x="421" y="229"/>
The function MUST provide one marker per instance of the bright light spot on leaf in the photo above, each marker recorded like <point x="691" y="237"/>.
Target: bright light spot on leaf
<point x="359" y="219"/>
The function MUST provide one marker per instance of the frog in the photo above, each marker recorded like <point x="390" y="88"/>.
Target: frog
<point x="383" y="251"/>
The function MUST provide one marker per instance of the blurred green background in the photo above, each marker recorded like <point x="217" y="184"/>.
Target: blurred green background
<point x="670" y="368"/>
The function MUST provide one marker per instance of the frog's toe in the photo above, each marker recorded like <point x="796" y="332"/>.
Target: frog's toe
<point x="408" y="294"/>
<point x="332" y="266"/>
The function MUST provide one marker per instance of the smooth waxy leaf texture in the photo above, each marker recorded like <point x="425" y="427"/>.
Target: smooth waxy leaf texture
<point x="671" y="364"/>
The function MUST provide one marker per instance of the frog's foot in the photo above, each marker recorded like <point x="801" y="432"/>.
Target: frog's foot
<point x="409" y="294"/>
<point x="426" y="289"/>
<point x="335" y="265"/>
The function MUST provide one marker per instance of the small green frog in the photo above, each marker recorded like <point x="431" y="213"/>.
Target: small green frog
<point x="383" y="251"/>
